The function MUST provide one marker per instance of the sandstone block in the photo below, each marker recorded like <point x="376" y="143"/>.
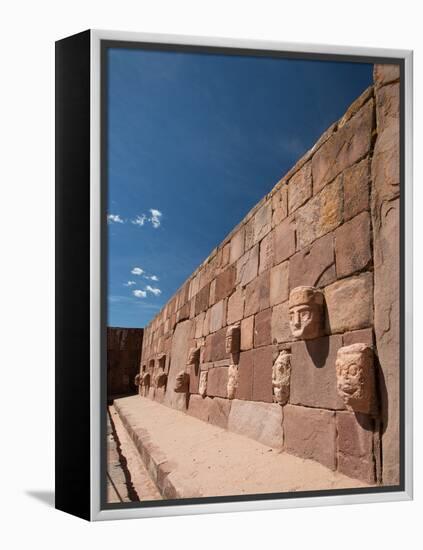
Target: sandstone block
<point x="363" y="336"/>
<point x="311" y="434"/>
<point x="225" y="255"/>
<point x="355" y="446"/>
<point x="349" y="303"/>
<point x="219" y="412"/>
<point x="352" y="245"/>
<point x="299" y="188"/>
<point x="386" y="73"/>
<point x="356" y="189"/>
<point x="257" y="294"/>
<point x="284" y="240"/>
<point x="237" y="245"/>
<point x="199" y="324"/>
<point x="247" y="266"/>
<point x="199" y="407"/>
<point x="225" y="283"/>
<point x="247" y="333"/>
<point x="346" y="146"/>
<point x="217" y="316"/>
<point x="263" y="328"/>
<point x="321" y="214"/>
<point x="313" y="373"/>
<point x="259" y="421"/>
<point x="202" y="299"/>
<point x="279" y="284"/>
<point x="280" y="205"/>
<point x="266" y="253"/>
<point x="215" y="348"/>
<point x="262" y="374"/>
<point x="212" y="294"/>
<point x="314" y="265"/>
<point x="193" y="289"/>
<point x="281" y="331"/>
<point x="262" y="222"/>
<point x="217" y="381"/>
<point x="235" y="307"/>
<point x="245" y="376"/>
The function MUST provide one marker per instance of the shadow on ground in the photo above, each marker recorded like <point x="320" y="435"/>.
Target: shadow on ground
<point x="46" y="497"/>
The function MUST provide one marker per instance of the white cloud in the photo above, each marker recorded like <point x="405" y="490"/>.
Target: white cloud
<point x="139" y="220"/>
<point x="137" y="271"/>
<point x="139" y="293"/>
<point x="129" y="283"/>
<point x="114" y="218"/>
<point x="155" y="217"/>
<point x="153" y="290"/>
<point x="154" y="278"/>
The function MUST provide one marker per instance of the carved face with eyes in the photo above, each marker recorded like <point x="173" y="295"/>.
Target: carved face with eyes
<point x="181" y="382"/>
<point x="306" y="312"/>
<point x="355" y="377"/>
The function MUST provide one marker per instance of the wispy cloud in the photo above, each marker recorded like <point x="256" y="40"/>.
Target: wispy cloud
<point x="151" y="277"/>
<point x="155" y="217"/>
<point x="154" y="290"/>
<point x="114" y="218"/>
<point x="129" y="283"/>
<point x="137" y="271"/>
<point x="139" y="293"/>
<point x="139" y="220"/>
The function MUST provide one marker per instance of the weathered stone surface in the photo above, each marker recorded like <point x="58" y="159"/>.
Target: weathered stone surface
<point x="199" y="407"/>
<point x="247" y="266"/>
<point x="356" y="189"/>
<point x="193" y="289"/>
<point x="284" y="240"/>
<point x="280" y="205"/>
<point x="257" y="294"/>
<point x="364" y="335"/>
<point x="262" y="374"/>
<point x="266" y="253"/>
<point x="279" y="284"/>
<point x="352" y="245"/>
<point x="386" y="73"/>
<point x="247" y="333"/>
<point x="262" y="222"/>
<point x="313" y="373"/>
<point x="217" y="316"/>
<point x="225" y="283"/>
<point x="212" y="294"/>
<point x="219" y="412"/>
<point x="346" y="146"/>
<point x="245" y="376"/>
<point x="235" y="307"/>
<point x="215" y="348"/>
<point x="217" y="381"/>
<point x="310" y="433"/>
<point x="225" y="255"/>
<point x="202" y="299"/>
<point x="181" y="343"/>
<point x="199" y="324"/>
<point x="281" y="331"/>
<point x="259" y="421"/>
<point x="321" y="214"/>
<point x="237" y="245"/>
<point x="355" y="446"/>
<point x="183" y="314"/>
<point x="314" y="265"/>
<point x="349" y="303"/>
<point x="263" y="328"/>
<point x="299" y="188"/>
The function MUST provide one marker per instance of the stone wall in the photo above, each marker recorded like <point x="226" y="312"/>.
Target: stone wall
<point x="123" y="359"/>
<point x="331" y="223"/>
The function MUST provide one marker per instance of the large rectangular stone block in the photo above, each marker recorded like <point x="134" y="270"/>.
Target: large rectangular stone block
<point x="355" y="446"/>
<point x="199" y="407"/>
<point x="313" y="373"/>
<point x="247" y="333"/>
<point x="225" y="283"/>
<point x="349" y="303"/>
<point x="314" y="265"/>
<point x="284" y="240"/>
<point x="279" y="284"/>
<point x="202" y="299"/>
<point x="214" y="349"/>
<point x="263" y="328"/>
<point x="245" y="376"/>
<point x="217" y="381"/>
<point x="266" y="253"/>
<point x="299" y="188"/>
<point x="262" y="222"/>
<point x="237" y="245"/>
<point x="247" y="266"/>
<point x="281" y="331"/>
<point x="235" y="307"/>
<point x="345" y="147"/>
<point x="257" y="294"/>
<point x="356" y="189"/>
<point x="259" y="421"/>
<point x="279" y="205"/>
<point x="217" y="316"/>
<point x="262" y="374"/>
<point x="352" y="245"/>
<point x="311" y="434"/>
<point x="219" y="412"/>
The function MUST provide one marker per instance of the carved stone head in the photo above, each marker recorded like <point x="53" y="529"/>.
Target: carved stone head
<point x="281" y="377"/>
<point x="193" y="356"/>
<point x="232" y="381"/>
<point x="161" y="379"/>
<point x="355" y="377"/>
<point x="306" y="312"/>
<point x="182" y="382"/>
<point x="202" y="385"/>
<point x="137" y="379"/>
<point x="233" y="339"/>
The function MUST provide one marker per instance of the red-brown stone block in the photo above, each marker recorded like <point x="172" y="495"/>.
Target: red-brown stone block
<point x="364" y="336"/>
<point x="356" y="189"/>
<point x="311" y="434"/>
<point x="245" y="376"/>
<point x="247" y="333"/>
<point x="262" y="374"/>
<point x="279" y="284"/>
<point x="313" y="373"/>
<point x="299" y="188"/>
<point x="281" y="331"/>
<point x="217" y="316"/>
<point x="247" y="266"/>
<point x="219" y="412"/>
<point x="235" y="307"/>
<point x="280" y="205"/>
<point x="352" y="245"/>
<point x="284" y="240"/>
<point x="266" y="253"/>
<point x="237" y="245"/>
<point x="259" y="421"/>
<point x="215" y="346"/>
<point x="217" y="381"/>
<point x="257" y="294"/>
<point x="199" y="407"/>
<point x="263" y="328"/>
<point x="225" y="283"/>
<point x="314" y="265"/>
<point x="202" y="299"/>
<point x="355" y="446"/>
<point x="262" y="222"/>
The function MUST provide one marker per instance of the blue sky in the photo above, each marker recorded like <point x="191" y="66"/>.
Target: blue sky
<point x="194" y="141"/>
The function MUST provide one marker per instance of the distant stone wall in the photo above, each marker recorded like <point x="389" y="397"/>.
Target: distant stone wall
<point x="332" y="223"/>
<point x="123" y="359"/>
